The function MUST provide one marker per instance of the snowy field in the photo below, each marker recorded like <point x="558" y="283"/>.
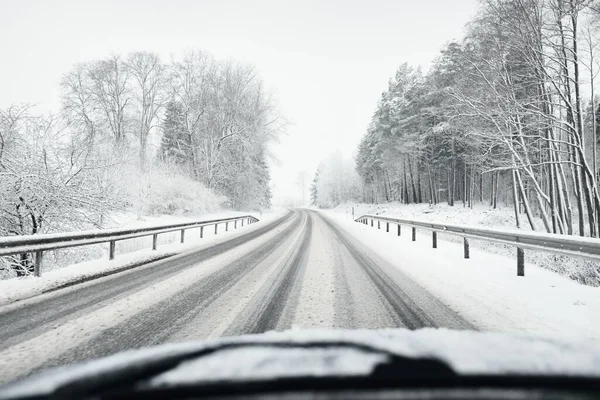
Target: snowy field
<point x="129" y="253"/>
<point x="485" y="288"/>
<point x="582" y="271"/>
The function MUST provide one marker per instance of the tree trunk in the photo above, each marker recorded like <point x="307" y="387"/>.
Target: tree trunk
<point x="431" y="189"/>
<point x="464" y="200"/>
<point x="525" y="201"/>
<point x="449" y="196"/>
<point x="406" y="201"/>
<point x="419" y="192"/>
<point x="492" y="186"/>
<point x="496" y="189"/>
<point x="412" y="181"/>
<point x="578" y="192"/>
<point x="453" y="176"/>
<point x="515" y="198"/>
<point x="550" y="176"/>
<point x="481" y="187"/>
<point x="471" y="187"/>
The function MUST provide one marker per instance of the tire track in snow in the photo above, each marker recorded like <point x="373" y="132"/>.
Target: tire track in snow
<point x="156" y="324"/>
<point x="274" y="305"/>
<point x="409" y="313"/>
<point x="71" y="302"/>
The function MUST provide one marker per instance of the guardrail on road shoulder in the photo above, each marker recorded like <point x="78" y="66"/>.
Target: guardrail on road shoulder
<point x="558" y="244"/>
<point x="37" y="244"/>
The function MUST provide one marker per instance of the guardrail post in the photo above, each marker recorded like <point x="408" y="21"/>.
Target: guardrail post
<point x="387" y="226"/>
<point x="378" y="224"/>
<point x="434" y="239"/>
<point x="414" y="234"/>
<point x="226" y="226"/>
<point x="216" y="228"/>
<point x="154" y="241"/>
<point x="466" y="247"/>
<point x="235" y="224"/>
<point x="399" y="229"/>
<point x="520" y="262"/>
<point x="111" y="250"/>
<point x="201" y="231"/>
<point x="182" y="235"/>
<point x="242" y="222"/>
<point x="371" y="222"/>
<point x="37" y="268"/>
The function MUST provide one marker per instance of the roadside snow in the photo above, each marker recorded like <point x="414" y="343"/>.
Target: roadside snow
<point x="15" y="289"/>
<point x="485" y="289"/>
<point x="480" y="214"/>
<point x="580" y="270"/>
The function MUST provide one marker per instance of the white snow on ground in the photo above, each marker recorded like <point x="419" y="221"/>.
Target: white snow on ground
<point x="317" y="296"/>
<point x="127" y="220"/>
<point x="466" y="352"/>
<point x="19" y="359"/>
<point x="485" y="289"/>
<point x="580" y="270"/>
<point x="21" y="288"/>
<point x="480" y="214"/>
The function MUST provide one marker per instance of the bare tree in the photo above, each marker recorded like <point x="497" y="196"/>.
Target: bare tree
<point x="110" y="90"/>
<point x="148" y="90"/>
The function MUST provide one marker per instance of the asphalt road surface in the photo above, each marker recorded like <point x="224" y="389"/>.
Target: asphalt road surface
<point x="299" y="271"/>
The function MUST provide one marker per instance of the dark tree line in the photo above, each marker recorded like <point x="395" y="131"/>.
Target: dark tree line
<point x="501" y="116"/>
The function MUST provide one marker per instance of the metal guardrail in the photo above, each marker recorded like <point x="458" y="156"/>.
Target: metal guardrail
<point x="37" y="244"/>
<point x="553" y="243"/>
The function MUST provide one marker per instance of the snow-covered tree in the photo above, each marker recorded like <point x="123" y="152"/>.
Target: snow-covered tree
<point x="336" y="182"/>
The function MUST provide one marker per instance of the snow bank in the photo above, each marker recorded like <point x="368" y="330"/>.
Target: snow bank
<point x="582" y="271"/>
<point x="21" y="288"/>
<point x="480" y="214"/>
<point x="485" y="289"/>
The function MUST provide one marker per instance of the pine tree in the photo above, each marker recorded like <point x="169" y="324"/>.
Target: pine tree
<point x="175" y="144"/>
<point x="313" y="189"/>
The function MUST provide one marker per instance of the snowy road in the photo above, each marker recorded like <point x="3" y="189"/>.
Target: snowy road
<point x="301" y="270"/>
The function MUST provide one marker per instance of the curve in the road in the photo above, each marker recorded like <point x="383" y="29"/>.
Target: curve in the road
<point x="156" y="324"/>
<point x="27" y="321"/>
<point x="288" y="273"/>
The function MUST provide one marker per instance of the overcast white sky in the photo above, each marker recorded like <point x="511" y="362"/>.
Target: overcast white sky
<point x="327" y="62"/>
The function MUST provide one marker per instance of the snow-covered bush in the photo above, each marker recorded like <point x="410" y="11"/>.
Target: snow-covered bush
<point x="164" y="189"/>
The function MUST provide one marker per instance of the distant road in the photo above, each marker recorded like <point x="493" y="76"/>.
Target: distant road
<point x="300" y="271"/>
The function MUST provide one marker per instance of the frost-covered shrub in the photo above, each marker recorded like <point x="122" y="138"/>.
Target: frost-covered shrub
<point x="166" y="190"/>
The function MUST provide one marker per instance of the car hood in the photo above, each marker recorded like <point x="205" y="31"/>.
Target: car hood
<point x="331" y="353"/>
